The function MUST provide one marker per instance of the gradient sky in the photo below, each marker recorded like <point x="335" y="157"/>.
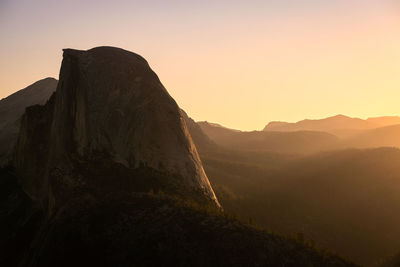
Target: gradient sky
<point x="238" y="63"/>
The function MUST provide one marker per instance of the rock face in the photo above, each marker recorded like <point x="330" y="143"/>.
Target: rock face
<point x="12" y="108"/>
<point x="110" y="126"/>
<point x="201" y="140"/>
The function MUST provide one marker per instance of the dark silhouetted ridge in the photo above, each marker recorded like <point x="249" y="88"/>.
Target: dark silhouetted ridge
<point x="12" y="108"/>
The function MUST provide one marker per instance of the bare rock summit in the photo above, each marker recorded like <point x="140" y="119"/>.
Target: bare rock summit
<point x="111" y="126"/>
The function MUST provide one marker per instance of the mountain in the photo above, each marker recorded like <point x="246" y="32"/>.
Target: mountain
<point x="12" y="108"/>
<point x="346" y="200"/>
<point x="299" y="142"/>
<point x="380" y="137"/>
<point x="339" y="125"/>
<point x="214" y="129"/>
<point x="385" y="120"/>
<point x="106" y="174"/>
<point x="307" y="141"/>
<point x="110" y="111"/>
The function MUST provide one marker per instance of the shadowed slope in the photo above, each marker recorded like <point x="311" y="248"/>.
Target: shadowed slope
<point x="384" y="136"/>
<point x="12" y="108"/>
<point x="140" y="230"/>
<point x="346" y="201"/>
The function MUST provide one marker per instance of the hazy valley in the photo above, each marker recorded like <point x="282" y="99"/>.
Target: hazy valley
<point x="341" y="192"/>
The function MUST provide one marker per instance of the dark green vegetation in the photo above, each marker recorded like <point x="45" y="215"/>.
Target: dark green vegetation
<point x="346" y="201"/>
<point x="139" y="229"/>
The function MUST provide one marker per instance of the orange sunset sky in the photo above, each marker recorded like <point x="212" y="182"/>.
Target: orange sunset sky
<point x="238" y="63"/>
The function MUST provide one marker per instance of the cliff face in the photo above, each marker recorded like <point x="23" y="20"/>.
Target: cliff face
<point x="201" y="140"/>
<point x="12" y="108"/>
<point x="111" y="126"/>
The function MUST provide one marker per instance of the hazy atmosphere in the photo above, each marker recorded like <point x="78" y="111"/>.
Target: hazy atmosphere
<point x="200" y="133"/>
<point x="238" y="63"/>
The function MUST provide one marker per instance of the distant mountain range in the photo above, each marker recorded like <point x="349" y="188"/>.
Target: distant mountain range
<point x="339" y="125"/>
<point x="280" y="142"/>
<point x="310" y="136"/>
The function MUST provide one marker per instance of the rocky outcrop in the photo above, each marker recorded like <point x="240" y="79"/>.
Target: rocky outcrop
<point x="12" y="108"/>
<point x="110" y="127"/>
